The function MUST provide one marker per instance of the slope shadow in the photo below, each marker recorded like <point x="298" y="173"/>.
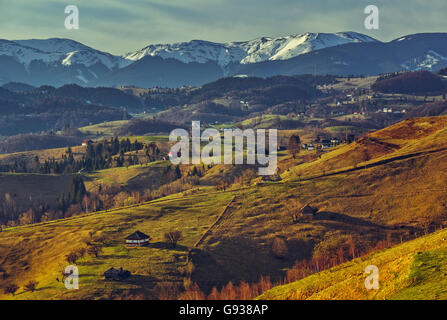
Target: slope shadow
<point x="241" y="259"/>
<point x="340" y="217"/>
<point x="166" y="246"/>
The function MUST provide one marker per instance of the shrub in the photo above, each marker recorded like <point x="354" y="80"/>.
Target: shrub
<point x="279" y="248"/>
<point x="166" y="290"/>
<point x="94" y="250"/>
<point x="173" y="237"/>
<point x="11" y="289"/>
<point x="31" y="286"/>
<point x="72" y="257"/>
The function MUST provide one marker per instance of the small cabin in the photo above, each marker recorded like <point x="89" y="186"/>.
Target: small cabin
<point x="87" y="142"/>
<point x="335" y="142"/>
<point x="326" y="144"/>
<point x="308" y="211"/>
<point x="116" y="274"/>
<point x="137" y="239"/>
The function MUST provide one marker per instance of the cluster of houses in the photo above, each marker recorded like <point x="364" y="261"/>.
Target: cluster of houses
<point x="390" y="110"/>
<point x="323" y="144"/>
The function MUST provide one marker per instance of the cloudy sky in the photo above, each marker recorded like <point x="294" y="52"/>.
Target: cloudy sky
<point x="119" y="26"/>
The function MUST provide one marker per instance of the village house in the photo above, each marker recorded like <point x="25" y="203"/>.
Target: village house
<point x="335" y="142"/>
<point x="308" y="211"/>
<point x="87" y="142"/>
<point x="326" y="144"/>
<point x="116" y="274"/>
<point x="137" y="239"/>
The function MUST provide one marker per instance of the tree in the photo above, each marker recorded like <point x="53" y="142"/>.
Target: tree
<point x="279" y="248"/>
<point x="95" y="250"/>
<point x="32" y="285"/>
<point x="72" y="257"/>
<point x="292" y="210"/>
<point x="294" y="145"/>
<point x="173" y="237"/>
<point x="11" y="289"/>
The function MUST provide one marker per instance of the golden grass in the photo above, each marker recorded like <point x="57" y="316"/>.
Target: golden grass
<point x="413" y="270"/>
<point x="38" y="253"/>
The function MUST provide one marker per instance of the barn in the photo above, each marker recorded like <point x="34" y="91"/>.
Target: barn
<point x="137" y="239"/>
<point x="116" y="274"/>
<point x="308" y="211"/>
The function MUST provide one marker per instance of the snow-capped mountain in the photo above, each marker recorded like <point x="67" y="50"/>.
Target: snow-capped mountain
<point x="257" y="50"/>
<point x="25" y="55"/>
<point x="60" y="61"/>
<point x="68" y="52"/>
<point x="64" y="60"/>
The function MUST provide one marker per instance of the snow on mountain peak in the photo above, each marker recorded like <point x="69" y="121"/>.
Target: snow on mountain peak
<point x="59" y="51"/>
<point x="56" y="52"/>
<point x="257" y="50"/>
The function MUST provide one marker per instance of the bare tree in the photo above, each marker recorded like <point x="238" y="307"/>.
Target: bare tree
<point x="72" y="257"/>
<point x="294" y="145"/>
<point x="94" y="250"/>
<point x="11" y="289"/>
<point x="173" y="237"/>
<point x="292" y="210"/>
<point x="32" y="285"/>
<point x="279" y="248"/>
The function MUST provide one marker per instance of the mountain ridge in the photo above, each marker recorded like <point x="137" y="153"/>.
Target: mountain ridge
<point x="58" y="61"/>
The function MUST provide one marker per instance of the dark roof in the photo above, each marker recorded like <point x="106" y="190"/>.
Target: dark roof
<point x="137" y="235"/>
<point x="112" y="271"/>
<point x="307" y="210"/>
<point x="117" y="274"/>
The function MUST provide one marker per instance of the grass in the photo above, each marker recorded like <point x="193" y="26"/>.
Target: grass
<point x="25" y="188"/>
<point x="137" y="177"/>
<point x="105" y="129"/>
<point x="149" y="265"/>
<point x="413" y="270"/>
<point x="366" y="204"/>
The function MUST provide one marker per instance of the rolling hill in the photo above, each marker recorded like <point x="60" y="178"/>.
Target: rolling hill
<point x="395" y="193"/>
<point x="414" y="270"/>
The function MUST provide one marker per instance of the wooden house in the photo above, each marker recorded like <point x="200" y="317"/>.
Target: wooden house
<point x="308" y="211"/>
<point x="87" y="142"/>
<point x="137" y="239"/>
<point x="116" y="274"/>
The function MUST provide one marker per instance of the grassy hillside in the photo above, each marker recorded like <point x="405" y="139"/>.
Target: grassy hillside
<point x="399" y="192"/>
<point x="131" y="178"/>
<point x="415" y="270"/>
<point x="24" y="189"/>
<point x="38" y="252"/>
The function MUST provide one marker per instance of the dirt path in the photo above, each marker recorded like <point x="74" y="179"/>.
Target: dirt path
<point x="215" y="224"/>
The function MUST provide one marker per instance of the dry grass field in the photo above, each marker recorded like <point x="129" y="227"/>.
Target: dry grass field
<point x="397" y="192"/>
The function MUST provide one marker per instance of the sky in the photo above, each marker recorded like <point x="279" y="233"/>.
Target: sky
<point x="122" y="26"/>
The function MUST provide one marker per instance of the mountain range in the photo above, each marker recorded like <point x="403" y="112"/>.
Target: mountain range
<point x="60" y="61"/>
